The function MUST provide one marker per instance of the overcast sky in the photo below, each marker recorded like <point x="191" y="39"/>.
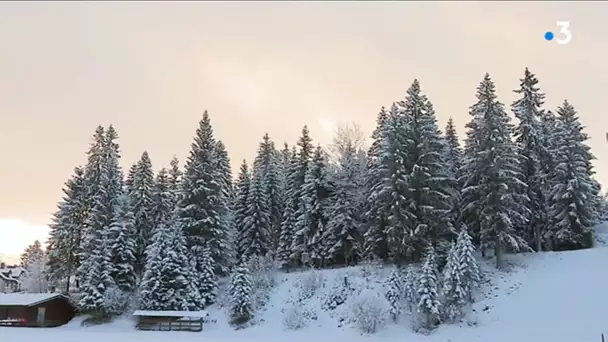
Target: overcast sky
<point x="151" y="69"/>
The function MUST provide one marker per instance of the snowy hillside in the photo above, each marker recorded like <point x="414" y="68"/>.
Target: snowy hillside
<point x="558" y="297"/>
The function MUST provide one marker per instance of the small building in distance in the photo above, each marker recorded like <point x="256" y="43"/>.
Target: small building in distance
<point x="35" y="309"/>
<point x="11" y="278"/>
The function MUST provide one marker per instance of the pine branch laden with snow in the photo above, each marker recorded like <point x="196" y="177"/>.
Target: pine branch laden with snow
<point x="240" y="290"/>
<point x="429" y="305"/>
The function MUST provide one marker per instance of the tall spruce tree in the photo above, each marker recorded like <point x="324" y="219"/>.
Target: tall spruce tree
<point x="225" y="260"/>
<point x="430" y="184"/>
<point x="162" y="203"/>
<point x="239" y="209"/>
<point x="140" y="193"/>
<point x="291" y="190"/>
<point x="66" y="231"/>
<point x="256" y="232"/>
<point x="454" y="158"/>
<point x="96" y="266"/>
<point x="200" y="208"/>
<point x="267" y="165"/>
<point x="312" y="213"/>
<point x="528" y="136"/>
<point x="571" y="198"/>
<point x="391" y="218"/>
<point x="375" y="217"/>
<point x="494" y="196"/>
<point x="122" y="230"/>
<point x="342" y="237"/>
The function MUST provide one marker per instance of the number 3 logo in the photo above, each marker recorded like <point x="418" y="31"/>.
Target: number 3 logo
<point x="564" y="29"/>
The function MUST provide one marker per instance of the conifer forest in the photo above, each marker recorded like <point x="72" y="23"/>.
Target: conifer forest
<point x="419" y="197"/>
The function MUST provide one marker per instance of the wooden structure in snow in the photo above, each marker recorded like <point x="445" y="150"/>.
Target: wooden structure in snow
<point x="170" y="320"/>
<point x="35" y="309"/>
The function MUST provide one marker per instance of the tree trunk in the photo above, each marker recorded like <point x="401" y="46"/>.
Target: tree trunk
<point x="498" y="253"/>
<point x="538" y="239"/>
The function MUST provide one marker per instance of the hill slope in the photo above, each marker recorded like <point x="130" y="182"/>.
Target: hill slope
<point x="557" y="297"/>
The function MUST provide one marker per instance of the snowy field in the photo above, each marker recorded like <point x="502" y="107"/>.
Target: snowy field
<point x="557" y="297"/>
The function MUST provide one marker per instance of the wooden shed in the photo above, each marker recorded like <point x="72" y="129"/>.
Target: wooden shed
<point x="170" y="320"/>
<point x="35" y="309"/>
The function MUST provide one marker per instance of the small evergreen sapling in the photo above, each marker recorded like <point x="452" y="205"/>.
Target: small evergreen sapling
<point x="394" y="293"/>
<point x="429" y="305"/>
<point x="240" y="290"/>
<point x="469" y="271"/>
<point x="410" y="286"/>
<point x="454" y="295"/>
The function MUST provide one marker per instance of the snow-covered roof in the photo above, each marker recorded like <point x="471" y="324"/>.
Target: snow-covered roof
<point x="14" y="272"/>
<point x="5" y="278"/>
<point x="197" y="314"/>
<point x="26" y="299"/>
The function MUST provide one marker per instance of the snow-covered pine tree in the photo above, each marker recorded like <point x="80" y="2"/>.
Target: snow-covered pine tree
<point x="342" y="237"/>
<point x="225" y="260"/>
<point x="175" y="176"/>
<point x="36" y="277"/>
<point x="200" y="207"/>
<point x="92" y="182"/>
<point x="239" y="209"/>
<point x="410" y="287"/>
<point x="297" y="176"/>
<point x="453" y="149"/>
<point x="430" y="184"/>
<point x="122" y="247"/>
<point x="140" y="193"/>
<point x="129" y="178"/>
<point x="528" y="136"/>
<point x="312" y="212"/>
<point x="454" y="158"/>
<point x="240" y="290"/>
<point x="429" y="305"/>
<point x="267" y="165"/>
<point x="256" y="231"/>
<point x="96" y="266"/>
<point x="494" y="197"/>
<point x="468" y="270"/>
<point x="571" y="208"/>
<point x="162" y="204"/>
<point x="289" y="214"/>
<point x="394" y="293"/>
<point x="391" y="191"/>
<point x="168" y="276"/>
<point x="66" y="232"/>
<point x="33" y="252"/>
<point x="454" y="296"/>
<point x="207" y="278"/>
<point x="375" y="217"/>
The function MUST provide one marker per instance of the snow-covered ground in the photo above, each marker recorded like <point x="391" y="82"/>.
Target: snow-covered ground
<point x="557" y="297"/>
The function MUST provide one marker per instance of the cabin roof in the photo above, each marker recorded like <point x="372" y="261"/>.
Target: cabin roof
<point x="149" y="313"/>
<point x="26" y="299"/>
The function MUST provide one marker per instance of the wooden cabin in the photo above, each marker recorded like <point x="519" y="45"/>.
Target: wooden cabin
<point x="170" y="320"/>
<point x="35" y="309"/>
